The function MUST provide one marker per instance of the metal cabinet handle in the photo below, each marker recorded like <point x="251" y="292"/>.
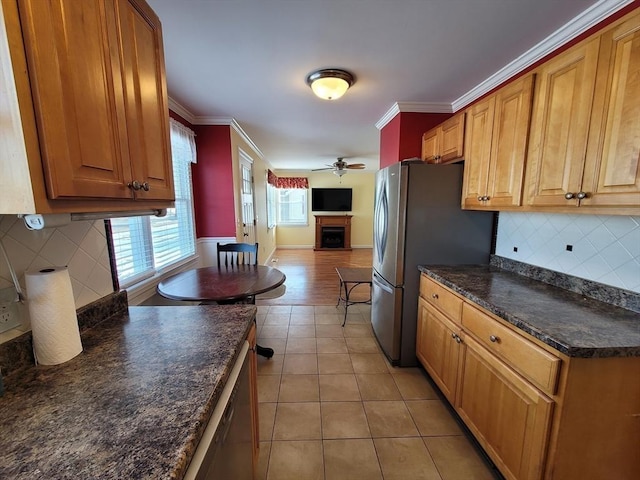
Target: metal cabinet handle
<point x="582" y="195"/>
<point x="453" y="335"/>
<point x="569" y="195"/>
<point x="486" y="198"/>
<point x="434" y="295"/>
<point x="480" y="198"/>
<point x="494" y="339"/>
<point x="135" y="185"/>
<point x="145" y="186"/>
<point x="458" y="339"/>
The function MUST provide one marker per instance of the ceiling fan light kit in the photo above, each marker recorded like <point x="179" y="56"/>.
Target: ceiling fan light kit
<point x="340" y="167"/>
<point x="330" y="83"/>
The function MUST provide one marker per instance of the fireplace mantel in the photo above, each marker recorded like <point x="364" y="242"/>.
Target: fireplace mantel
<point x="333" y="221"/>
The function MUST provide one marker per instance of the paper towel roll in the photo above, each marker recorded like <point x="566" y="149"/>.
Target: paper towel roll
<point x="54" y="324"/>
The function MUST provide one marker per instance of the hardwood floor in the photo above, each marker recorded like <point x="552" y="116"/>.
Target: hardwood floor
<point x="312" y="278"/>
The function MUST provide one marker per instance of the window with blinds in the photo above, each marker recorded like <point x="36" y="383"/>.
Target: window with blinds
<point x="143" y="246"/>
<point x="271" y="205"/>
<point x="292" y="206"/>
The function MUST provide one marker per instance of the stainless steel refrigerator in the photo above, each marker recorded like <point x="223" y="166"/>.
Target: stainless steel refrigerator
<point x="418" y="221"/>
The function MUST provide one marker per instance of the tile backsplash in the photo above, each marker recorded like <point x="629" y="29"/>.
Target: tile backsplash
<point x="601" y="248"/>
<point x="81" y="246"/>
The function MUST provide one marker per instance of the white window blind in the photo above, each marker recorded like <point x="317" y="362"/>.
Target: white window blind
<point x="271" y="205"/>
<point x="145" y="245"/>
<point x="292" y="206"/>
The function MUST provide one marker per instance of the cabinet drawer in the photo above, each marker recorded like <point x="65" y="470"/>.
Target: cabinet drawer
<point x="441" y="298"/>
<point x="536" y="364"/>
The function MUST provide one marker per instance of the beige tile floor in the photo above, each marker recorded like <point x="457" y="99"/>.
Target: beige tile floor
<point x="333" y="408"/>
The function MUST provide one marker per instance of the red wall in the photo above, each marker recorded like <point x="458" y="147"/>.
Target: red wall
<point x="213" y="182"/>
<point x="401" y="138"/>
<point x="390" y="142"/>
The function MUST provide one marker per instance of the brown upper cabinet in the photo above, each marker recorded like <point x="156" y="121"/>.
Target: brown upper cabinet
<point x="612" y="167"/>
<point x="91" y="94"/>
<point x="444" y="143"/>
<point x="585" y="148"/>
<point x="497" y="130"/>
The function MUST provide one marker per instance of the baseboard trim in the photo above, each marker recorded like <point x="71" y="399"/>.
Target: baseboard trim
<point x="311" y="247"/>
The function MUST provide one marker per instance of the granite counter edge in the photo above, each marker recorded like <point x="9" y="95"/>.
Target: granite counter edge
<point x="192" y="442"/>
<point x="568" y="350"/>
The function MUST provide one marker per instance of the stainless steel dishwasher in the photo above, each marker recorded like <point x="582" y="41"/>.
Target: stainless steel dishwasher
<point x="225" y="450"/>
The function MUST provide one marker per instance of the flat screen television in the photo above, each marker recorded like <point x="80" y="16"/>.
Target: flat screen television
<point x="331" y="199"/>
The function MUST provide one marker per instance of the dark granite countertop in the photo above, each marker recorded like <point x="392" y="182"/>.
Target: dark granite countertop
<point x="133" y="404"/>
<point x="571" y="323"/>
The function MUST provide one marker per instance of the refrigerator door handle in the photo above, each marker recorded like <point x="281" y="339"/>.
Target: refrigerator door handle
<point x="381" y="283"/>
<point x="381" y="219"/>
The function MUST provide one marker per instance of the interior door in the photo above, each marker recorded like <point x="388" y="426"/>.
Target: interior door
<point x="246" y="194"/>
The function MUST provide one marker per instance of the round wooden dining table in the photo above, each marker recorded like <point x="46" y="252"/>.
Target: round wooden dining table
<point x="222" y="285"/>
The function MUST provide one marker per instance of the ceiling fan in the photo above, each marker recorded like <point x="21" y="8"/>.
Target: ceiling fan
<point x="340" y="167"/>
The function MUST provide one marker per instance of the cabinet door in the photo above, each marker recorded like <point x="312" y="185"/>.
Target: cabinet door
<point x="510" y="418"/>
<point x="612" y="170"/>
<point x="478" y="133"/>
<point x="430" y="146"/>
<point x="452" y="144"/>
<point x="146" y="100"/>
<point x="437" y="348"/>
<point x="509" y="143"/>
<point x="72" y="53"/>
<point x="560" y="125"/>
<point x="420" y="328"/>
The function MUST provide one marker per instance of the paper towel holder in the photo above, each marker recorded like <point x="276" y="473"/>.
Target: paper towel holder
<point x="38" y="221"/>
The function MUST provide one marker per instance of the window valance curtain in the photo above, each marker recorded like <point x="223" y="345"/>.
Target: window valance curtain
<point x="185" y="139"/>
<point x="272" y="179"/>
<point x="293" y="182"/>
<point x="287" y="182"/>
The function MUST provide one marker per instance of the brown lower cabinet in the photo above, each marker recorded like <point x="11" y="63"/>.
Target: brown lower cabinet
<point x="508" y="414"/>
<point x="536" y="412"/>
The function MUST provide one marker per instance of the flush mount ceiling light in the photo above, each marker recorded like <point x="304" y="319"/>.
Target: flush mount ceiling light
<point x="330" y="83"/>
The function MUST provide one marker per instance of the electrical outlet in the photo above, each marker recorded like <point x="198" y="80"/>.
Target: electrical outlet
<point x="9" y="316"/>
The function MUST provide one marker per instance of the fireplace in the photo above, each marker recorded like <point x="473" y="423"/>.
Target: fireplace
<point x="333" y="232"/>
<point x="332" y="237"/>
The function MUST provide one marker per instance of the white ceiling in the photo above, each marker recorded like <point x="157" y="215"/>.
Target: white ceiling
<point x="248" y="59"/>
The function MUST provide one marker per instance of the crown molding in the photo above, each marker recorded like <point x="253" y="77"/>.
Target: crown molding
<point x="236" y="126"/>
<point x="175" y="107"/>
<point x="412" y="107"/>
<point x="213" y="121"/>
<point x="580" y="24"/>
<point x="230" y="121"/>
<point x="387" y="117"/>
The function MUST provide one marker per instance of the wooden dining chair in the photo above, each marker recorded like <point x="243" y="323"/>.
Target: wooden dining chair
<point x="230" y="254"/>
